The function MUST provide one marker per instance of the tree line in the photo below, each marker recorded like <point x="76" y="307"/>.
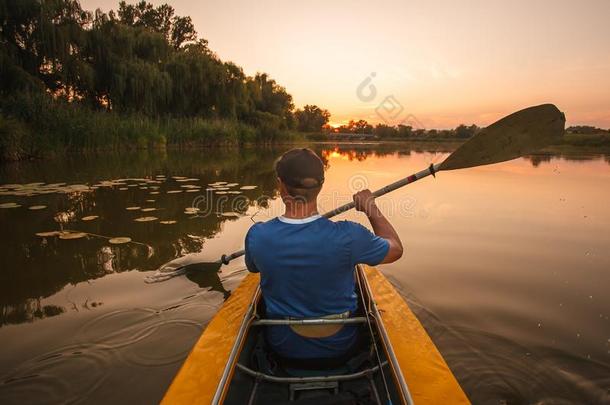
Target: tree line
<point x="384" y="131"/>
<point x="136" y="61"/>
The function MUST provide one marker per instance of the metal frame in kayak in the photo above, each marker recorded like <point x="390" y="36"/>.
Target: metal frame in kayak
<point x="420" y="373"/>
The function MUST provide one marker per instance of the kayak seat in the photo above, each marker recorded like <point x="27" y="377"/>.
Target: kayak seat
<point x="347" y="379"/>
<point x="266" y="360"/>
<point x="315" y="381"/>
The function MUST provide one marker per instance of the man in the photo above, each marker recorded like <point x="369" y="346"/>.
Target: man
<point x="306" y="261"/>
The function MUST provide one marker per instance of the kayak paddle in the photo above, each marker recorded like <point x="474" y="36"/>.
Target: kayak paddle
<point x="513" y="136"/>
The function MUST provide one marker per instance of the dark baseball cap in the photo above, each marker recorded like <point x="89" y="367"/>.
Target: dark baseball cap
<point x="300" y="168"/>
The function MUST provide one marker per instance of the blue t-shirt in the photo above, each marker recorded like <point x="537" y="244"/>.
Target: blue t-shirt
<point x="307" y="270"/>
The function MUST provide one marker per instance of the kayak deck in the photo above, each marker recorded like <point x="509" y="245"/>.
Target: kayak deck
<point x="408" y="357"/>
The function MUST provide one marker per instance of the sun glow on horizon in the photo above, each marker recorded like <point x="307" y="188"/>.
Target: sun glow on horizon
<point x="442" y="62"/>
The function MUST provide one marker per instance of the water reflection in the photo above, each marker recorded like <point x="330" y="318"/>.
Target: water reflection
<point x="509" y="258"/>
<point x="37" y="267"/>
<point x="436" y="152"/>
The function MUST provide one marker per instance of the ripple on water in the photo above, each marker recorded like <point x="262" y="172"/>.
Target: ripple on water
<point x="120" y="328"/>
<point x="168" y="342"/>
<point x="62" y="376"/>
<point x="494" y="369"/>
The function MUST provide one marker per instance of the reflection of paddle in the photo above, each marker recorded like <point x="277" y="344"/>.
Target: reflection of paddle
<point x="520" y="133"/>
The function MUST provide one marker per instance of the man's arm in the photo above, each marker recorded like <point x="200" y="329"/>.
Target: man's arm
<point x="365" y="202"/>
<point x="248" y="256"/>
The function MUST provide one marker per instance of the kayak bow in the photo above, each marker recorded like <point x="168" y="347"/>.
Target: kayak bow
<point x="220" y="369"/>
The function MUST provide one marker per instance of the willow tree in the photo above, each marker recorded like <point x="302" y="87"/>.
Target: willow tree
<point x="41" y="41"/>
<point x="140" y="59"/>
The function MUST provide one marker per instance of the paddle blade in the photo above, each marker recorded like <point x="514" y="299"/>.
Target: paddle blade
<point x="515" y="135"/>
<point x="181" y="265"/>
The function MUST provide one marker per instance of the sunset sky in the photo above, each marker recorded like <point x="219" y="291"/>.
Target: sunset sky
<point x="436" y="64"/>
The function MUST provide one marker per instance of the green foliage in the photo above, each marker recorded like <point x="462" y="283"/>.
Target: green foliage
<point x="311" y="118"/>
<point x="463" y="132"/>
<point x="32" y="125"/>
<point x="356" y="127"/>
<point x="13" y="139"/>
<point x="595" y="139"/>
<point x="65" y="73"/>
<point x="586" y="129"/>
<point x="407" y="132"/>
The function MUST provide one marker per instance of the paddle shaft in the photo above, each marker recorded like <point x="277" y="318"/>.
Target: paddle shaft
<point x="431" y="170"/>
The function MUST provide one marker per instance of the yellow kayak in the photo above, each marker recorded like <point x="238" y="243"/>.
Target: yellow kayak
<point x="399" y="365"/>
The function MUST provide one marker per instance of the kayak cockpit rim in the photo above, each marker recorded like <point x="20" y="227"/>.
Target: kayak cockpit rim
<point x="309" y="321"/>
<point x="235" y="350"/>
<point x="373" y="312"/>
<point x="250" y="319"/>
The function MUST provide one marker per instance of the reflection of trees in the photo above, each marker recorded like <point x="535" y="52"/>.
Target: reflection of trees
<point x="27" y="311"/>
<point x="33" y="267"/>
<point x="575" y="156"/>
<point x="360" y="152"/>
<point x="537" y="159"/>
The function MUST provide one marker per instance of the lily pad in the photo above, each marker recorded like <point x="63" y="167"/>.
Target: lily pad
<point x="231" y="184"/>
<point x="146" y="219"/>
<point x="220" y="192"/>
<point x="192" y="190"/>
<point x="248" y="187"/>
<point x="89" y="218"/>
<point x="150" y="201"/>
<point x="154" y="193"/>
<point x="151" y="209"/>
<point x="119" y="240"/>
<point x="48" y="234"/>
<point x="169" y="222"/>
<point x="230" y="214"/>
<point x="123" y="188"/>
<point x="72" y="235"/>
<point x="10" y="205"/>
<point x="132" y="208"/>
<point x="37" y="207"/>
<point x="174" y="191"/>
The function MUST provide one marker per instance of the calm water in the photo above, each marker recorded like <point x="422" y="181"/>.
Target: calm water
<point x="505" y="265"/>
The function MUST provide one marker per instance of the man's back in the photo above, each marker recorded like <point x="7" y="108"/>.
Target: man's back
<point x="307" y="261"/>
<point x="307" y="270"/>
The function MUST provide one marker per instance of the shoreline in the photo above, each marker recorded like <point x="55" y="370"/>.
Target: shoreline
<point x="298" y="139"/>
